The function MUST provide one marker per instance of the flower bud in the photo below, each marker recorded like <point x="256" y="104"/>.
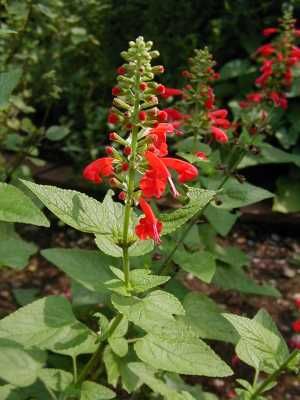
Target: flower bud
<point x="143" y="86"/>
<point x="158" y="69"/>
<point x="109" y="150"/>
<point x="160" y="89"/>
<point x="121" y="104"/>
<point x="113" y="136"/>
<point x="121" y="70"/>
<point x="125" y="167"/>
<point x="112" y="118"/>
<point x="142" y="116"/>
<point x="116" y="91"/>
<point x="127" y="150"/>
<point x="162" y="116"/>
<point x="122" y="196"/>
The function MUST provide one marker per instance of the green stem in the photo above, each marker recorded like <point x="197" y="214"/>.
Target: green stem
<point x="75" y="377"/>
<point x="273" y="376"/>
<point x="131" y="179"/>
<point x="165" y="266"/>
<point x="88" y="368"/>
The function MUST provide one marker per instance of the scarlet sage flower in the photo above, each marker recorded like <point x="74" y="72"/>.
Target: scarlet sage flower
<point x="256" y="97"/>
<point x="210" y="99"/>
<point x="269" y="31"/>
<point x="155" y="179"/>
<point x="265" y="50"/>
<point x="96" y="170"/>
<point x="175" y="117"/>
<point x="201" y="155"/>
<point x="219" y="135"/>
<point x="170" y="92"/>
<point x="186" y="171"/>
<point x="148" y="227"/>
<point x="159" y="138"/>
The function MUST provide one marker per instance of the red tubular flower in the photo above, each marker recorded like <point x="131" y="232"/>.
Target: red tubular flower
<point x="278" y="99"/>
<point x="219" y="135"/>
<point x="265" y="50"/>
<point x="175" y="117"/>
<point x="154" y="181"/>
<point x="186" y="171"/>
<point x="296" y="326"/>
<point x="96" y="170"/>
<point x="256" y="97"/>
<point x="220" y="113"/>
<point x="269" y="31"/>
<point x="159" y="138"/>
<point x="170" y="92"/>
<point x="148" y="227"/>
<point x="297" y="301"/>
<point x="209" y="103"/>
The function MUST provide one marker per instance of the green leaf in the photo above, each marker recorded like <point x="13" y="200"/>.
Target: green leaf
<point x="55" y="133"/>
<point x="106" y="243"/>
<point x="201" y="264"/>
<point x="142" y="280"/>
<point x="73" y="208"/>
<point x="198" y="199"/>
<point x="221" y="220"/>
<point x="235" y="194"/>
<point x="184" y="355"/>
<point x="205" y="317"/>
<point x="147" y="376"/>
<point x="232" y="277"/>
<point x="17" y="366"/>
<point x="117" y="341"/>
<point x="15" y="206"/>
<point x="232" y="255"/>
<point x="25" y="296"/>
<point x="87" y="267"/>
<point x="152" y="311"/>
<point x="15" y="253"/>
<point x="10" y="392"/>
<point x="111" y="366"/>
<point x="287" y="196"/>
<point x="8" y="82"/>
<point x="55" y="379"/>
<point x="49" y="323"/>
<point x="259" y="346"/>
<point x="236" y="68"/>
<point x="270" y="155"/>
<point x="95" y="391"/>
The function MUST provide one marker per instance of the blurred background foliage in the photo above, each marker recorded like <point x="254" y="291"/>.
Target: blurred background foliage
<point x="64" y="55"/>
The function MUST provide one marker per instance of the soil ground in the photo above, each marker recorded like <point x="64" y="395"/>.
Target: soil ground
<point x="270" y="250"/>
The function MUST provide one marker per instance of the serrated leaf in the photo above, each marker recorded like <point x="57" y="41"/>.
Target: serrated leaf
<point x="142" y="280"/>
<point x="49" y="323"/>
<point x="232" y="277"/>
<point x="205" y="317"/>
<point x="221" y="220"/>
<point x="8" y="82"/>
<point x="95" y="391"/>
<point x="73" y="208"/>
<point x="117" y="341"/>
<point x="259" y="347"/>
<point x="199" y="198"/>
<point x="152" y="311"/>
<point x="270" y="155"/>
<point x="111" y="366"/>
<point x="15" y="206"/>
<point x="17" y="366"/>
<point x="106" y="243"/>
<point x="56" y="380"/>
<point x="87" y="267"/>
<point x="184" y="355"/>
<point x="147" y="376"/>
<point x="201" y="264"/>
<point x="15" y="253"/>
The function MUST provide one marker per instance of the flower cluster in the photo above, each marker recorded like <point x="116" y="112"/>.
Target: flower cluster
<point x="137" y="162"/>
<point x="277" y="59"/>
<point x="205" y="119"/>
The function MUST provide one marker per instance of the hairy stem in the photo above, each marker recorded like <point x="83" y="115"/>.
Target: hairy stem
<point x="131" y="179"/>
<point x="273" y="376"/>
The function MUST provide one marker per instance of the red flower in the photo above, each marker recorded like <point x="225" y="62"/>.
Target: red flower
<point x="149" y="227"/>
<point x="297" y="301"/>
<point x="175" y="117"/>
<point x="278" y="99"/>
<point x="154" y="181"/>
<point x="296" y="326"/>
<point x="201" y="155"/>
<point x="256" y="97"/>
<point x="219" y="135"/>
<point x="98" y="169"/>
<point x="265" y="50"/>
<point x="186" y="171"/>
<point x="269" y="31"/>
<point x="170" y="92"/>
<point x="209" y="102"/>
<point x="159" y="138"/>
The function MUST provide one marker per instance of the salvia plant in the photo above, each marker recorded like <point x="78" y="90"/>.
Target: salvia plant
<point x="133" y="327"/>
